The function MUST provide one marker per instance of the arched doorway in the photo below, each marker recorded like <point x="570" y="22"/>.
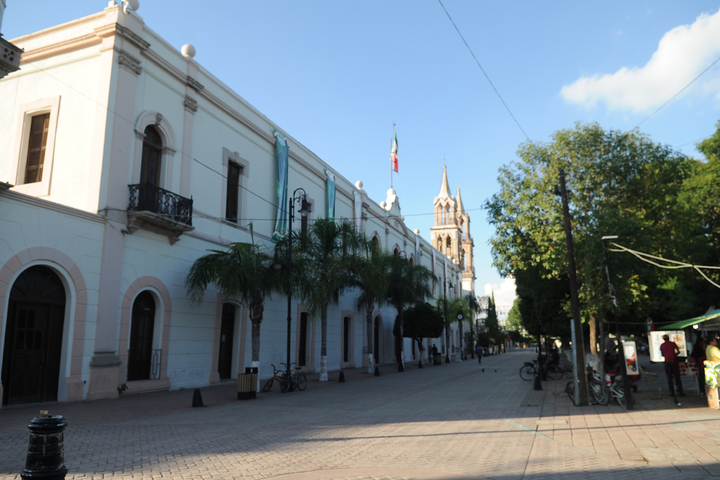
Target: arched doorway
<point x="141" y="337"/>
<point x="33" y="337"/>
<point x="377" y="330"/>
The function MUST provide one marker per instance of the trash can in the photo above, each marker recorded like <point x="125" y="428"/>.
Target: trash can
<point x="437" y="359"/>
<point x="247" y="383"/>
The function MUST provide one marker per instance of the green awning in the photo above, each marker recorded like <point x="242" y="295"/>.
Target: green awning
<point x="691" y="321"/>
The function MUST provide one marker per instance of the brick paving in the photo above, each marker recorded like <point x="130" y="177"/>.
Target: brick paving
<point x="454" y="421"/>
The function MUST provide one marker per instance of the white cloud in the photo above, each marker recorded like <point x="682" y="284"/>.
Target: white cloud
<point x="682" y="54"/>
<point x="504" y="294"/>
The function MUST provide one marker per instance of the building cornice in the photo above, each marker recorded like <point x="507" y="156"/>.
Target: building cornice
<point x="52" y="206"/>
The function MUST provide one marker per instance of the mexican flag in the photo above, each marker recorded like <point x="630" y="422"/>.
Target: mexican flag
<point x="393" y="153"/>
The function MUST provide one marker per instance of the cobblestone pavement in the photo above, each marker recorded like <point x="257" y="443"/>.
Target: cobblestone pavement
<point x="454" y="421"/>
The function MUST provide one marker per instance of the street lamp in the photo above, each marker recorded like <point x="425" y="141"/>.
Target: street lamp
<point x="460" y="329"/>
<point x="277" y="265"/>
<point x="447" y="285"/>
<point x="627" y="389"/>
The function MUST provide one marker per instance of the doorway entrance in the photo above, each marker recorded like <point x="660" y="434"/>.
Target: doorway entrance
<point x="227" y="329"/>
<point x="141" y="337"/>
<point x="33" y="337"/>
<point x="303" y="340"/>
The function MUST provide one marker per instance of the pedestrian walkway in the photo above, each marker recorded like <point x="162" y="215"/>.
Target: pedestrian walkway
<point x="453" y="421"/>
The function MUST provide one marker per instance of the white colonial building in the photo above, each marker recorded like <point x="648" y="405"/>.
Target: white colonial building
<point x="122" y="161"/>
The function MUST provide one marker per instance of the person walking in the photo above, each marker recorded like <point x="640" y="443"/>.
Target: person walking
<point x="479" y="351"/>
<point x="670" y="350"/>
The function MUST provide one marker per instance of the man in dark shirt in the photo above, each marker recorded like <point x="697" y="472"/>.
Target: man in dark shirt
<point x="670" y="350"/>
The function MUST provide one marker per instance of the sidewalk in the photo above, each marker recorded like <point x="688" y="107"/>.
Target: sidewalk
<point x="454" y="421"/>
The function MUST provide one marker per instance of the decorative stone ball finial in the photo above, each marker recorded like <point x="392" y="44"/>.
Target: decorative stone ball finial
<point x="133" y="4"/>
<point x="359" y="184"/>
<point x="188" y="51"/>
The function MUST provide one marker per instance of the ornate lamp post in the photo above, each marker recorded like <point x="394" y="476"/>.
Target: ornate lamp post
<point x="304" y="210"/>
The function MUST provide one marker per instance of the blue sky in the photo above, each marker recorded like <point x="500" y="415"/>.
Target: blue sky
<point x="336" y="75"/>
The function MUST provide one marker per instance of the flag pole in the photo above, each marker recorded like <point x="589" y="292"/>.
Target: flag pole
<point x="392" y="165"/>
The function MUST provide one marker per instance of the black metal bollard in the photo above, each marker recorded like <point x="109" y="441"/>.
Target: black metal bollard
<point x="341" y="378"/>
<point x="377" y="371"/>
<point x="45" y="456"/>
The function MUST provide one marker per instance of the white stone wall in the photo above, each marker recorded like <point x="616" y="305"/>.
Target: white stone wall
<point x="87" y="154"/>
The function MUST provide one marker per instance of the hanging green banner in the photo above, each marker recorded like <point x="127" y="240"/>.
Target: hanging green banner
<point x="281" y="220"/>
<point x="330" y="195"/>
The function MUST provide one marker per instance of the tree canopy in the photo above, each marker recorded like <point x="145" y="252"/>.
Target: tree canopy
<point x="619" y="183"/>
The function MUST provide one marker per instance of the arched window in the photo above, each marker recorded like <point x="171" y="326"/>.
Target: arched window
<point x="151" y="157"/>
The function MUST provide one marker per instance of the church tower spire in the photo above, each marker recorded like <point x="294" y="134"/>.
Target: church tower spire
<point x="451" y="233"/>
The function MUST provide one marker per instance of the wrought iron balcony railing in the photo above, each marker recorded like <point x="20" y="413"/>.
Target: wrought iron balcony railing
<point x="151" y="198"/>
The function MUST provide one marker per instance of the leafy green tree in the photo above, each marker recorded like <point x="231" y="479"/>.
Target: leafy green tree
<point x="325" y="260"/>
<point x="453" y="307"/>
<point x="492" y="324"/>
<point x="619" y="184"/>
<point x="475" y="309"/>
<point x="514" y="315"/>
<point x="407" y="285"/>
<point x="422" y="320"/>
<point x="242" y="272"/>
<point x="372" y="280"/>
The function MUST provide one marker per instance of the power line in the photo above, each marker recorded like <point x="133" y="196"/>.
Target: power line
<point x="483" y="70"/>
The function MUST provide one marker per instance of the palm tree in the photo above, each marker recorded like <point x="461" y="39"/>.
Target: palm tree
<point x="408" y="284"/>
<point x="243" y="272"/>
<point x="372" y="280"/>
<point x="452" y="307"/>
<point x="325" y="260"/>
<point x="475" y="310"/>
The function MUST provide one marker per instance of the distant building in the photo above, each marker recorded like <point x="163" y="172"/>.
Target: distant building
<point x="122" y="160"/>
<point x="451" y="233"/>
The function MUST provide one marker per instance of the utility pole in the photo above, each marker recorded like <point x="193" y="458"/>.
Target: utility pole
<point x="581" y="387"/>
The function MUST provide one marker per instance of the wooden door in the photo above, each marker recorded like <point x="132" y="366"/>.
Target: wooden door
<point x="227" y="329"/>
<point x="141" y="337"/>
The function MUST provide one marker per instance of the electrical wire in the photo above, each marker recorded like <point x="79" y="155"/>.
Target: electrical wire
<point x="654" y="260"/>
<point x="483" y="71"/>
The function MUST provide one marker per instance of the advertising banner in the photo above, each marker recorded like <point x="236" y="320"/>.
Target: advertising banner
<point x="330" y="194"/>
<point x="655" y="340"/>
<point x="281" y="220"/>
<point x="631" y="361"/>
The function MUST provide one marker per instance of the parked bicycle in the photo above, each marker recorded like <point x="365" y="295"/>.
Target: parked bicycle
<point x="596" y="394"/>
<point x="555" y="371"/>
<point x="278" y="376"/>
<point x="298" y="380"/>
<point x="529" y="370"/>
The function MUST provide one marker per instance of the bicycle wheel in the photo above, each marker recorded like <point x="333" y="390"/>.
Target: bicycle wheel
<point x="570" y="390"/>
<point x="553" y="372"/>
<point x="597" y="395"/>
<point x="301" y="382"/>
<point x="527" y="372"/>
<point x="620" y="396"/>
<point x="284" y="384"/>
<point x="268" y="385"/>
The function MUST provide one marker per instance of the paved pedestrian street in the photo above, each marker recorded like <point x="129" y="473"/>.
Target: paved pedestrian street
<point x="453" y="421"/>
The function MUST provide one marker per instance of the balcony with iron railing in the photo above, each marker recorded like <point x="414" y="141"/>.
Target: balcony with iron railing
<point x="158" y="210"/>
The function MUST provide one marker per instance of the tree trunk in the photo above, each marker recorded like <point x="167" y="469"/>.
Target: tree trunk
<point x="323" y="344"/>
<point x="592" y="323"/>
<point x="370" y="338"/>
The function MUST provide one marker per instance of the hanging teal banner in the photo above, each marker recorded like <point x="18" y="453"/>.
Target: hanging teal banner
<point x="330" y="195"/>
<point x="281" y="220"/>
